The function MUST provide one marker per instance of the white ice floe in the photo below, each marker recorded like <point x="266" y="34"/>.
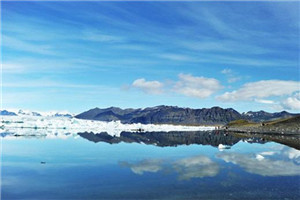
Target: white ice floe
<point x="222" y="147"/>
<point x="27" y="125"/>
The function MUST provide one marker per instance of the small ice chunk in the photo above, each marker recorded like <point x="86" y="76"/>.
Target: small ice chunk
<point x="221" y="147"/>
<point x="259" y="157"/>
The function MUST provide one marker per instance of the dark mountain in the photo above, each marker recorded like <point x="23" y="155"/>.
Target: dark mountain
<point x="163" y="115"/>
<point x="106" y="114"/>
<point x="5" y="112"/>
<point x="286" y="126"/>
<point x="260" y="116"/>
<point x="177" y="115"/>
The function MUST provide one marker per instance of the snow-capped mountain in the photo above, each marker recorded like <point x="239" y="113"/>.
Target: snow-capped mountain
<point x="21" y="112"/>
<point x="57" y="114"/>
<point x="26" y="112"/>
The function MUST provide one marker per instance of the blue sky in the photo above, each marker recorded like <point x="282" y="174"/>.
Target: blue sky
<point x="79" y="55"/>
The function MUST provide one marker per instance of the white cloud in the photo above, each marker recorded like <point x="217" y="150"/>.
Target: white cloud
<point x="22" y="45"/>
<point x="150" y="87"/>
<point x="46" y="83"/>
<point x="96" y="36"/>
<point x="226" y="71"/>
<point x="233" y="79"/>
<point x="23" y="65"/>
<point x="230" y="75"/>
<point x="292" y="103"/>
<point x="176" y="57"/>
<point x="264" y="101"/>
<point x="261" y="89"/>
<point x="13" y="68"/>
<point x="199" y="87"/>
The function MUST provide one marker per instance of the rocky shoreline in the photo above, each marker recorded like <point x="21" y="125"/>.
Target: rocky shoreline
<point x="268" y="131"/>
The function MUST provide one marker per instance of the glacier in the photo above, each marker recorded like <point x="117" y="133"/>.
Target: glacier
<point x="63" y="127"/>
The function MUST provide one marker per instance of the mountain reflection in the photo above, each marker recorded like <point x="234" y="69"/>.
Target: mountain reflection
<point x="221" y="139"/>
<point x="212" y="138"/>
<point x="164" y="139"/>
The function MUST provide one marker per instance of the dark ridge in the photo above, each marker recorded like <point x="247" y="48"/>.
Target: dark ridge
<point x="176" y="115"/>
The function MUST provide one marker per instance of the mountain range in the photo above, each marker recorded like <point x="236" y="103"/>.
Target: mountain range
<point x="176" y="115"/>
<point x="32" y="113"/>
<point x="164" y="139"/>
<point x="175" y="138"/>
<point x="164" y="115"/>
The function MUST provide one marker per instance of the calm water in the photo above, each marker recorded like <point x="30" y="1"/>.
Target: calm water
<point x="149" y="166"/>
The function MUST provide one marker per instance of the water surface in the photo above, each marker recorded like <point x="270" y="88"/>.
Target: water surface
<point x="149" y="166"/>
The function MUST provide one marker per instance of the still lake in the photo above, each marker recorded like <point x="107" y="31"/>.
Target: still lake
<point x="195" y="165"/>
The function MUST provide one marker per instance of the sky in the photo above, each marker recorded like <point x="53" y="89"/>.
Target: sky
<point x="75" y="56"/>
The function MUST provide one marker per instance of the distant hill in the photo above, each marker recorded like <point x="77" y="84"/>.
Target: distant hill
<point x="61" y="115"/>
<point x="177" y="115"/>
<point x="287" y="126"/>
<point x="163" y="115"/>
<point x="7" y="113"/>
<point x="21" y="112"/>
<point x="260" y="116"/>
<point x="35" y="114"/>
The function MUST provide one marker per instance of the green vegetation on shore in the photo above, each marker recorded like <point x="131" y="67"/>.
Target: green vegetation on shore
<point x="241" y="122"/>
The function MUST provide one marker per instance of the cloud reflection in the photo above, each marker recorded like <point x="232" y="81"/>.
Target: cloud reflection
<point x="150" y="165"/>
<point x="193" y="167"/>
<point x="196" y="167"/>
<point x="264" y="166"/>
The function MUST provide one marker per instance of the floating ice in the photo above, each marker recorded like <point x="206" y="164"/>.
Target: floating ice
<point x="64" y="126"/>
<point x="221" y="147"/>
